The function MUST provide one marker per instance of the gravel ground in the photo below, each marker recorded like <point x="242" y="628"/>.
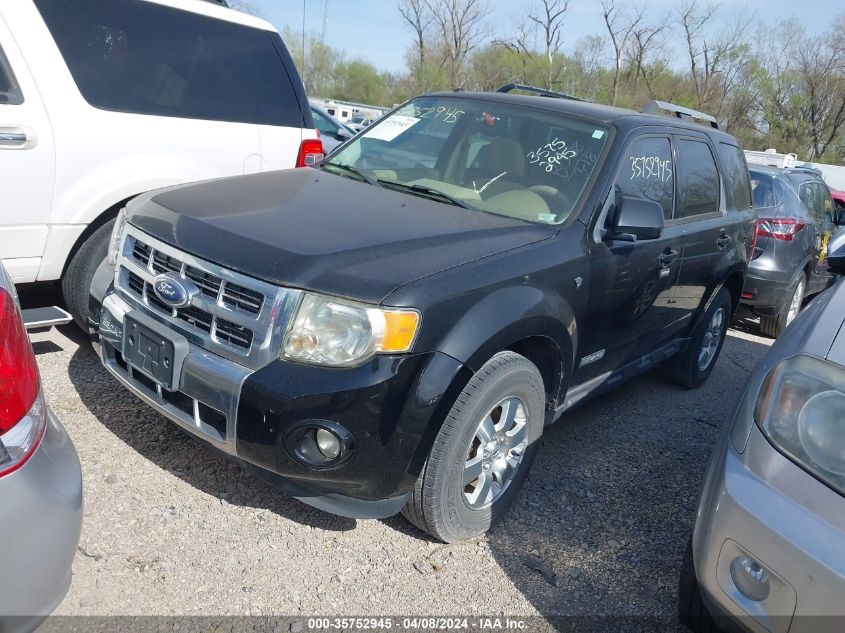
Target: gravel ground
<point x="172" y="528"/>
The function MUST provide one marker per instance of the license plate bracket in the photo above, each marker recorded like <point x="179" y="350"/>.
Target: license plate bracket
<point x="153" y="350"/>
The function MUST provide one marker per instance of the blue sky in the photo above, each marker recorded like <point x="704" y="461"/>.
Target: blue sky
<point x="374" y="30"/>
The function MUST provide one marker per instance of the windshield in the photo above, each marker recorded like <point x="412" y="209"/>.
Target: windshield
<point x="515" y="161"/>
<point x="356" y="119"/>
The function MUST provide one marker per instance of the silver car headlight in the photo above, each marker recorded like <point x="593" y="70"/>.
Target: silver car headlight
<point x="340" y="333"/>
<point x="116" y="235"/>
<point x="801" y="410"/>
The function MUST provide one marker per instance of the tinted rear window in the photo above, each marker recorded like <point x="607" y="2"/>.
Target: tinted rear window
<point x="698" y="179"/>
<point x="135" y="56"/>
<point x="10" y="93"/>
<point x="737" y="187"/>
<point x="767" y="191"/>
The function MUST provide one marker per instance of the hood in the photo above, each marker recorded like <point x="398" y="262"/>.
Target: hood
<point x="309" y="229"/>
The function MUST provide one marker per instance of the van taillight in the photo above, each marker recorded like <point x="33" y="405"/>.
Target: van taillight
<point x="310" y="152"/>
<point x="23" y="415"/>
<point x="778" y="228"/>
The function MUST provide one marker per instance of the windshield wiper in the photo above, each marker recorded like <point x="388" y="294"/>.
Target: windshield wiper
<point x="428" y="192"/>
<point x="349" y="169"/>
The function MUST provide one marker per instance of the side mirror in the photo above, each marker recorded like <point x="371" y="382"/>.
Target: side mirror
<point x="343" y="134"/>
<point x="839" y="216"/>
<point x="836" y="261"/>
<point x="636" y="219"/>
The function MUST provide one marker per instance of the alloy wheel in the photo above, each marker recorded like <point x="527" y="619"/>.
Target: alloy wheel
<point x="495" y="453"/>
<point x="712" y="338"/>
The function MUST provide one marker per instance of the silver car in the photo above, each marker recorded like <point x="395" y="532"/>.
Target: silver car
<point x="768" y="548"/>
<point x="40" y="483"/>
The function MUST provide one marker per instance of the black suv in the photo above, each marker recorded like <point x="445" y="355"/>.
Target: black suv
<point x="393" y="330"/>
<point x="796" y="219"/>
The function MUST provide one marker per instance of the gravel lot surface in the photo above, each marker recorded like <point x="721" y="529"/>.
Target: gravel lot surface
<point x="172" y="528"/>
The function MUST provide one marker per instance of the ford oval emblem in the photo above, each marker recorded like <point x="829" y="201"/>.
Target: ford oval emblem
<point x="173" y="290"/>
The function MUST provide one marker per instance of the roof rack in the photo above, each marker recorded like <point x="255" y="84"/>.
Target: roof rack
<point x="538" y="91"/>
<point x="771" y="158"/>
<point x="222" y="3"/>
<point x="654" y="107"/>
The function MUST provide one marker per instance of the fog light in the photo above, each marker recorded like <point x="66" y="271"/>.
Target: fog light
<point x="328" y="443"/>
<point x="750" y="578"/>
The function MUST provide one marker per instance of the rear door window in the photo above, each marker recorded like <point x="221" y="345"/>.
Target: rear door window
<point x="647" y="171"/>
<point x="10" y="92"/>
<point x="737" y="187"/>
<point x="812" y="199"/>
<point x="698" y="179"/>
<point x="147" y="58"/>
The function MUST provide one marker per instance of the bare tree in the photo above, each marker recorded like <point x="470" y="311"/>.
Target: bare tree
<point x="419" y="18"/>
<point x="549" y="19"/>
<point x="460" y="23"/>
<point x="619" y="27"/>
<point x="821" y="68"/>
<point x="644" y="40"/>
<point x="245" y="6"/>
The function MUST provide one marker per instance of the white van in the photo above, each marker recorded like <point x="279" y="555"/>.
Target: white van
<point x="101" y="100"/>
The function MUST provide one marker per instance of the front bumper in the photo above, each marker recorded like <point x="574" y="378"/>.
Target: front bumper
<point x="40" y="523"/>
<point x="392" y="406"/>
<point x="760" y="504"/>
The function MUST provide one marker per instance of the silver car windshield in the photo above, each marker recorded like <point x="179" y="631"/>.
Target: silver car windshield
<point x="526" y="163"/>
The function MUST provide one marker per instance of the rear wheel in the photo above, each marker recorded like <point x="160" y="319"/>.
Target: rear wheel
<point x="773" y="326"/>
<point x="693" y="366"/>
<point x="76" y="282"/>
<point x="483" y="451"/>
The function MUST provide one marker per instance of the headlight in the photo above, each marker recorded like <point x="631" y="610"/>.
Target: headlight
<point x="116" y="234"/>
<point x="339" y="333"/>
<point x="801" y="409"/>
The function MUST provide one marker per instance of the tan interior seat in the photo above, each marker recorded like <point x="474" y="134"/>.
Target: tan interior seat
<point x="502" y="155"/>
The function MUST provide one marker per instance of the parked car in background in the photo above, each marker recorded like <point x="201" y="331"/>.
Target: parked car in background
<point x="796" y="219"/>
<point x="839" y="202"/>
<point x="358" y="123"/>
<point x="400" y="341"/>
<point x="103" y="100"/>
<point x="40" y="483"/>
<point x="768" y="548"/>
<point x="332" y="131"/>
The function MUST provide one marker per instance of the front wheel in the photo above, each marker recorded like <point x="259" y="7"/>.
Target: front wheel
<point x="693" y="366"/>
<point x="76" y="282"/>
<point x="483" y="451"/>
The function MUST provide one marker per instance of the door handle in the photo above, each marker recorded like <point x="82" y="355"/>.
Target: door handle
<point x="16" y="138"/>
<point x="667" y="258"/>
<point x="723" y="241"/>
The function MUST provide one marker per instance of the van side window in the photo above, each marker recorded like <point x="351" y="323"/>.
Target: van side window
<point x="10" y="92"/>
<point x="737" y="186"/>
<point x="698" y="179"/>
<point x="647" y="171"/>
<point x="148" y="58"/>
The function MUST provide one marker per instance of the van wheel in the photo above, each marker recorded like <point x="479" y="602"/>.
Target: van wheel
<point x="693" y="366"/>
<point x="773" y="326"/>
<point x="76" y="283"/>
<point x="483" y="451"/>
<point x="691" y="610"/>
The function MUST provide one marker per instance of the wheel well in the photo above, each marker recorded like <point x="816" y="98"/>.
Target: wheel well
<point x="547" y="357"/>
<point x="106" y="216"/>
<point x="734" y="285"/>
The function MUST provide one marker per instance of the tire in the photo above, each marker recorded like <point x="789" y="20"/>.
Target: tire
<point x="691" y="610"/>
<point x="440" y="503"/>
<point x="76" y="282"/>
<point x="773" y="326"/>
<point x="687" y="368"/>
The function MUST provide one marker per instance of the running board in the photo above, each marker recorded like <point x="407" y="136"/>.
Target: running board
<point x="43" y="318"/>
<point x="608" y="380"/>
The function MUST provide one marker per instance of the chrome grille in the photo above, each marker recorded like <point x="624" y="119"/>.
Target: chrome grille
<point x="236" y="316"/>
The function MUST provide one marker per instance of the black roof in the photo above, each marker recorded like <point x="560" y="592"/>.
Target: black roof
<point x="622" y="118"/>
<point x="809" y="172"/>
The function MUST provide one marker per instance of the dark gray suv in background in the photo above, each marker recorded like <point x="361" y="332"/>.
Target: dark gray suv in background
<point x="796" y="219"/>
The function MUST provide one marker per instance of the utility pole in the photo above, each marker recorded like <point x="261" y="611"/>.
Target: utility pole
<point x="325" y="21"/>
<point x="302" y="70"/>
